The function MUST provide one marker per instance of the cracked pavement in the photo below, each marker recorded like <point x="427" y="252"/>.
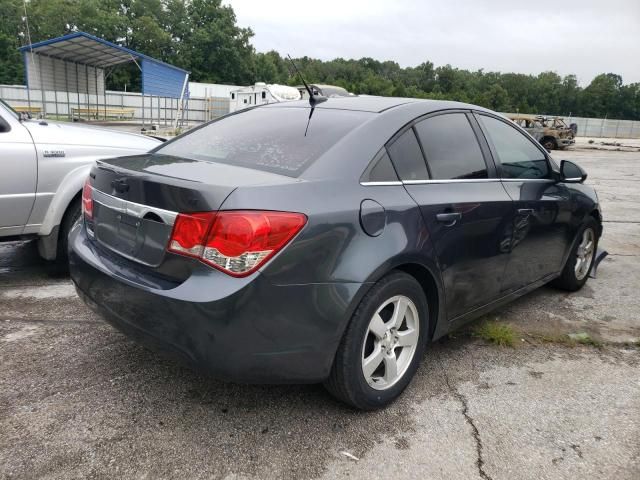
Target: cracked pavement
<point x="78" y="399"/>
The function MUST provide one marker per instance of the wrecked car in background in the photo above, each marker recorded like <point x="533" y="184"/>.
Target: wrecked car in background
<point x="552" y="132"/>
<point x="44" y="166"/>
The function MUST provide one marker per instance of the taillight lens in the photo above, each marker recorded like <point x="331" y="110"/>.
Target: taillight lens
<point x="87" y="200"/>
<point x="236" y="242"/>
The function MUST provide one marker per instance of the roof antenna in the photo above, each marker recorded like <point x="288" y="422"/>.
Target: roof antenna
<point x="313" y="99"/>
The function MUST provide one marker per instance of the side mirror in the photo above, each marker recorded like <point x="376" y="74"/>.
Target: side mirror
<point x="571" y="173"/>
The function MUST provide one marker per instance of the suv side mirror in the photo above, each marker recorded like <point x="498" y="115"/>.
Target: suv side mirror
<point x="571" y="173"/>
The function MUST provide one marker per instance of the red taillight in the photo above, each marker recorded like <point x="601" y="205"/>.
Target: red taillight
<point x="236" y="242"/>
<point x="87" y="200"/>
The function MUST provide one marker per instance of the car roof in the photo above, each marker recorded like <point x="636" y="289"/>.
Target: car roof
<point x="366" y="103"/>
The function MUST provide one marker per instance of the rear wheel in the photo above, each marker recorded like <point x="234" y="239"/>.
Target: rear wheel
<point x="580" y="262"/>
<point x="382" y="347"/>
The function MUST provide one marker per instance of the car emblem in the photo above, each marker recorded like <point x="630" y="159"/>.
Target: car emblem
<point x="53" y="153"/>
<point x="120" y="185"/>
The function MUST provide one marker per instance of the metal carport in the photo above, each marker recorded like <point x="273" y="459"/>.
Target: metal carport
<point x="80" y="62"/>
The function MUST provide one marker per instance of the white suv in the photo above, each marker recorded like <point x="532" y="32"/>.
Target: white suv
<point x="43" y="167"/>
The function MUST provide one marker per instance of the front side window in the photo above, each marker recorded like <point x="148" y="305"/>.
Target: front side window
<point x="451" y="147"/>
<point x="518" y="156"/>
<point x="407" y="157"/>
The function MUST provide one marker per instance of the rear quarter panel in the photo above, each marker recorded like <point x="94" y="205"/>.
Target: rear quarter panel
<point x="333" y="248"/>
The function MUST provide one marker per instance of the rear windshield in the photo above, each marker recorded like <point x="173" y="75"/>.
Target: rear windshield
<point x="270" y="139"/>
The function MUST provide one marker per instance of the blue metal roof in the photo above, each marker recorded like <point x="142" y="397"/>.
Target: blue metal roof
<point x="87" y="49"/>
<point x="158" y="78"/>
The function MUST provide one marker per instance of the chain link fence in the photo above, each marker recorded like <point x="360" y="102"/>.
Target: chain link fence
<point x="604" y="128"/>
<point x="121" y="106"/>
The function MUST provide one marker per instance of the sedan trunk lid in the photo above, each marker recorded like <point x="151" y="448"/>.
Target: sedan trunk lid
<point x="136" y="199"/>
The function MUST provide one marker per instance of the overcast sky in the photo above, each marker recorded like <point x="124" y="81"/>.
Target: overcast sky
<point x="585" y="37"/>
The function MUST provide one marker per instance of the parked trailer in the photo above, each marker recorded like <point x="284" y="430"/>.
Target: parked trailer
<point x="260" y="94"/>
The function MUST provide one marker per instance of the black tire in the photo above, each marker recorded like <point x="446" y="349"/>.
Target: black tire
<point x="68" y="220"/>
<point x="347" y="381"/>
<point x="549" y="143"/>
<point x="568" y="280"/>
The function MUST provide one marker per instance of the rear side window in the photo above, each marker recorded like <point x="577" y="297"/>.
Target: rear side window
<point x="518" y="156"/>
<point x="272" y="139"/>
<point x="407" y="157"/>
<point x="380" y="169"/>
<point x="451" y="147"/>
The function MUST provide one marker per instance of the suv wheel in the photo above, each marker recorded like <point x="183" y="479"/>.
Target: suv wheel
<point x="383" y="344"/>
<point x="68" y="220"/>
<point x="580" y="262"/>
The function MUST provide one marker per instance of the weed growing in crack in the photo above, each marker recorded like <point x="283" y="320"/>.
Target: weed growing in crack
<point x="496" y="332"/>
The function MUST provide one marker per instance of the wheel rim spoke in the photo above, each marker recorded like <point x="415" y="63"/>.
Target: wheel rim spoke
<point x="390" y="368"/>
<point x="377" y="327"/>
<point x="407" y="338"/>
<point x="399" y="312"/>
<point x="372" y="362"/>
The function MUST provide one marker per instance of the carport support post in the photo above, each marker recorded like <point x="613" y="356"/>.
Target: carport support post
<point x="42" y="97"/>
<point x="86" y="85"/>
<point x="66" y="87"/>
<point x="95" y="74"/>
<point x="78" y="87"/>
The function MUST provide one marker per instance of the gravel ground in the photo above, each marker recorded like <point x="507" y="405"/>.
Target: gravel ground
<point x="78" y="399"/>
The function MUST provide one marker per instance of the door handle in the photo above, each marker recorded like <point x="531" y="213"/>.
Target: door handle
<point x="449" y="219"/>
<point x="525" y="211"/>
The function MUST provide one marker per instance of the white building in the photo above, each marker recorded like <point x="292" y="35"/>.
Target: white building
<point x="261" y="93"/>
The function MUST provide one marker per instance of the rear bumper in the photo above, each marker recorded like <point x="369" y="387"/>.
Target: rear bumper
<point x="245" y="330"/>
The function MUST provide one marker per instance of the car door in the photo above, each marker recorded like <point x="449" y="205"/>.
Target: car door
<point x="541" y="223"/>
<point x="18" y="162"/>
<point x="462" y="202"/>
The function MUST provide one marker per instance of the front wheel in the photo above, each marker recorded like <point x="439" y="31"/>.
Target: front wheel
<point x="383" y="344"/>
<point x="580" y="262"/>
<point x="549" y="143"/>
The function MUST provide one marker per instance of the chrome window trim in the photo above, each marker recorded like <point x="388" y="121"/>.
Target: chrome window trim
<point x="548" y="180"/>
<point x="452" y="180"/>
<point x="458" y="180"/>
<point x="381" y="184"/>
<point x="132" y="208"/>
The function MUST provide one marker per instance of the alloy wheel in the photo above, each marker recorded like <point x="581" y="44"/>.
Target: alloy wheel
<point x="390" y="342"/>
<point x="584" y="254"/>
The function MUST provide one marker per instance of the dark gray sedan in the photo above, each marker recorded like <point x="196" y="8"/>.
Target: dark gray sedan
<point x="287" y="243"/>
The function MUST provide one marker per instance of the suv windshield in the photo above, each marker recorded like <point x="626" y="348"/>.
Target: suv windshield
<point x="267" y="138"/>
<point x="11" y="110"/>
